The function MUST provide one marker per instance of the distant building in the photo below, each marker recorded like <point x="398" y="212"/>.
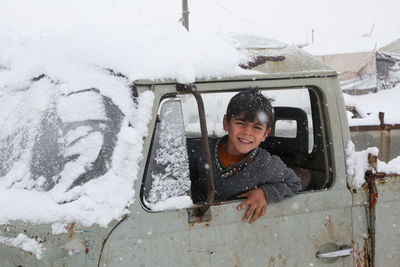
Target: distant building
<point x="363" y="65"/>
<point x="388" y="65"/>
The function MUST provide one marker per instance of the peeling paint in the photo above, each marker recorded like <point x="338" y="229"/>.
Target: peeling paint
<point x="360" y="256"/>
<point x="237" y="259"/>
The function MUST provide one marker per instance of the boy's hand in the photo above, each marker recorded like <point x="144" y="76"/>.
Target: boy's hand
<point x="258" y="204"/>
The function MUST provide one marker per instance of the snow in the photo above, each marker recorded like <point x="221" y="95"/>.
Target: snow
<point x="170" y="177"/>
<point x="178" y="202"/>
<point x="58" y="228"/>
<point x="357" y="164"/>
<point x="369" y="106"/>
<point x="65" y="109"/>
<point x="391" y="167"/>
<point x="29" y="197"/>
<point x="67" y="55"/>
<point x="362" y="82"/>
<point x="25" y="243"/>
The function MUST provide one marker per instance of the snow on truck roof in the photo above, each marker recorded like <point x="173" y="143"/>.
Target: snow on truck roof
<point x="265" y="59"/>
<point x="71" y="135"/>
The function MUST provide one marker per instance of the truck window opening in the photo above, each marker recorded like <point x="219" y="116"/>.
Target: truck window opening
<point x="296" y="137"/>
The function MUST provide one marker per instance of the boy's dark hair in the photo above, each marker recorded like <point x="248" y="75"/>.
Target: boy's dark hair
<point x="251" y="103"/>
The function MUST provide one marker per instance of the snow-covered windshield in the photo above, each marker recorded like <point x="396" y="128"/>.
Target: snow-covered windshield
<point x="59" y="141"/>
<point x="63" y="155"/>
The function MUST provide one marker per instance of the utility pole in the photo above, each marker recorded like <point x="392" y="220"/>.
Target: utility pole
<point x="185" y="14"/>
<point x="312" y="36"/>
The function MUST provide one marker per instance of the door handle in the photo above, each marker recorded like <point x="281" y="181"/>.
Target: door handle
<point x="346" y="251"/>
<point x="330" y="252"/>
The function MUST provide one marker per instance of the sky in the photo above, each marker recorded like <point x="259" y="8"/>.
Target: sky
<point x="291" y="21"/>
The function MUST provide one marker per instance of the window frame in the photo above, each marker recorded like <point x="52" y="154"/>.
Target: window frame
<point x="318" y="122"/>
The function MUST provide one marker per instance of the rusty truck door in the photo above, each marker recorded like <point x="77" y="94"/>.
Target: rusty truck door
<point x="384" y="216"/>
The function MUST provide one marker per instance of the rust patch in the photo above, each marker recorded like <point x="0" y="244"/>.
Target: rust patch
<point x="70" y="227"/>
<point x="382" y="181"/>
<point x="86" y="244"/>
<point x="237" y="259"/>
<point x="277" y="65"/>
<point x="374" y="127"/>
<point x="261" y="60"/>
<point x="354" y="111"/>
<point x="329" y="228"/>
<point x="374" y="199"/>
<point x="388" y="141"/>
<point x="372" y="161"/>
<point x="366" y="252"/>
<point x="360" y="256"/>
<point x="271" y="261"/>
<point x="282" y="259"/>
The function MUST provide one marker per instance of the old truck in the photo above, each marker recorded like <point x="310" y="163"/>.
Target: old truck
<point x="329" y="223"/>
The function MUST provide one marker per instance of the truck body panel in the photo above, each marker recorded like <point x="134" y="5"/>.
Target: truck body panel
<point x="385" y="137"/>
<point x="385" y="217"/>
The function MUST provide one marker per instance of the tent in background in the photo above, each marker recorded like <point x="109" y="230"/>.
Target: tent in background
<point x="368" y="67"/>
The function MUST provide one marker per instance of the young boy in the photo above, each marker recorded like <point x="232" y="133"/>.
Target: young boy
<point x="242" y="169"/>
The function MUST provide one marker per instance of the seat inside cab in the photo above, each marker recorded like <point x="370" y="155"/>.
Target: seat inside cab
<point x="291" y="146"/>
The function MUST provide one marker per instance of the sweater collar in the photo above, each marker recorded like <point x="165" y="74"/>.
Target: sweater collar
<point x="235" y="168"/>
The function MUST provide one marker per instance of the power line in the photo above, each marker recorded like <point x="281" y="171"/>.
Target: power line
<point x="165" y="17"/>
<point x="185" y="14"/>
<point x="239" y="17"/>
<point x="171" y="23"/>
<point x="250" y="22"/>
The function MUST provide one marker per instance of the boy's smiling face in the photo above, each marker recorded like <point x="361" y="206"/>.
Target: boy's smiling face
<point x="244" y="136"/>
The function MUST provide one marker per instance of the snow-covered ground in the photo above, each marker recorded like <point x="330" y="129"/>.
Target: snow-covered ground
<point x="369" y="106"/>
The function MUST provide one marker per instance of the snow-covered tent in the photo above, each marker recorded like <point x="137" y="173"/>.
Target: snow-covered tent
<point x="392" y="48"/>
<point x="364" y="64"/>
<point x="388" y="65"/>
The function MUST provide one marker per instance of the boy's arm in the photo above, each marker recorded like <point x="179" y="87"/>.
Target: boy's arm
<point x="286" y="183"/>
<point x="257" y="202"/>
<point x="257" y="199"/>
<point x="281" y="182"/>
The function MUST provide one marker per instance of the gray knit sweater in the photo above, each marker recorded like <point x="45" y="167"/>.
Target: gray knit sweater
<point x="257" y="169"/>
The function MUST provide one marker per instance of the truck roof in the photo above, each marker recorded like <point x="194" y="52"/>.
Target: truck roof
<point x="270" y="59"/>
